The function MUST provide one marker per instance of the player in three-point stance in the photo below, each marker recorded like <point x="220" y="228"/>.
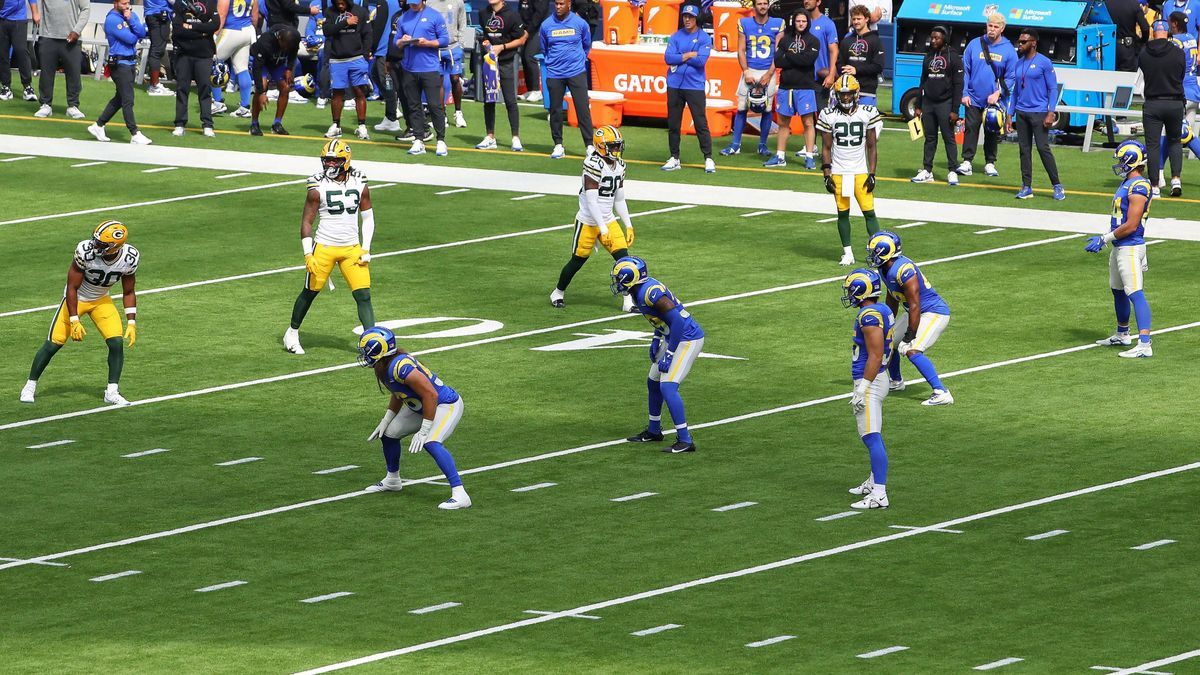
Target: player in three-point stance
<point x="873" y="328"/>
<point x="849" y="132"/>
<point x="420" y="404"/>
<point x="99" y="263"/>
<point x="339" y="194"/>
<point x="677" y="342"/>
<point x="925" y="315"/>
<point x="1127" y="261"/>
<point x="601" y="202"/>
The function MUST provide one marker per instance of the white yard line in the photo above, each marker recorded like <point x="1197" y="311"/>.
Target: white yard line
<point x="327" y="596"/>
<point x="452" y="192"/>
<point x="656" y="629"/>
<point x="1159" y="663"/>
<point x="770" y="641"/>
<point x="787" y="562"/>
<point x="827" y="220"/>
<point x="753" y="214"/>
<point x="1155" y="241"/>
<point x="882" y="652"/>
<point x="18" y="159"/>
<point x="531" y="488"/>
<point x="51" y="444"/>
<point x="87" y="164"/>
<point x="144" y="453"/>
<point x="1153" y="544"/>
<point x="908" y="225"/>
<point x="34" y="562"/>
<point x="381" y="186"/>
<point x="990" y="231"/>
<point x="233" y="462"/>
<point x="527" y="460"/>
<point x="998" y="664"/>
<point x="1140" y="672"/>
<point x="234" y="175"/>
<point x="837" y="516"/>
<point x="524" y="197"/>
<point x="336" y="469"/>
<point x="160" y="169"/>
<point x="629" y="498"/>
<point x="386" y="254"/>
<point x="435" y="608"/>
<point x="573" y="616"/>
<point x="734" y="507"/>
<point x="118" y="575"/>
<point x="914" y="527"/>
<point x="1046" y="535"/>
<point x="219" y="587"/>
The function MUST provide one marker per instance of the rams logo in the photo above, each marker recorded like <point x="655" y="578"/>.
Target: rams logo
<point x="937" y="64"/>
<point x="859" y="48"/>
<point x="495" y="24"/>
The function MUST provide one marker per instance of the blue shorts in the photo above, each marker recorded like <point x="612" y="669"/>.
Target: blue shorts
<point x="349" y="74"/>
<point x="867" y="99"/>
<point x="452" y="60"/>
<point x="791" y="102"/>
<point x="276" y="74"/>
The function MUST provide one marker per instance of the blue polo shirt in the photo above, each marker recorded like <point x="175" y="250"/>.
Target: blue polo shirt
<point x="429" y="24"/>
<point x="565" y="45"/>
<point x="123" y="35"/>
<point x="14" y="10"/>
<point x="687" y="74"/>
<point x="1036" y="87"/>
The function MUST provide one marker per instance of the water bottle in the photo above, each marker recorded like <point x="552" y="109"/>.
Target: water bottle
<point x="960" y="131"/>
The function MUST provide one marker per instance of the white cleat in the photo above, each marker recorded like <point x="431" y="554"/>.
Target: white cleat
<point x="847" y="260"/>
<point x="321" y="103"/>
<point x="557" y="299"/>
<point x="871" y="502"/>
<point x="334" y="131"/>
<point x="28" y="391"/>
<point x="896" y="385"/>
<point x="388" y="125"/>
<point x="361" y="133"/>
<point x="459" y="120"/>
<point x="386" y="485"/>
<point x="219" y="108"/>
<point x="863" y="490"/>
<point x="441" y="150"/>
<point x="964" y="169"/>
<point x="295" y="97"/>
<point x="75" y="113"/>
<point x="114" y="397"/>
<point x="98" y="132"/>
<point x="453" y="503"/>
<point x="1116" y="340"/>
<point x="1141" y="351"/>
<point x="558" y="152"/>
<point x="939" y="397"/>
<point x="140" y="139"/>
<point x="291" y="341"/>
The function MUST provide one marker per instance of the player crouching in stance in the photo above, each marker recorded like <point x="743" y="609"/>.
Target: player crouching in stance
<point x="420" y="404"/>
<point x="601" y="196"/>
<point x="849" y="132"/>
<point x="99" y="263"/>
<point x="873" y="328"/>
<point x="677" y="342"/>
<point x="1127" y="261"/>
<point x="925" y="316"/>
<point x="339" y="194"/>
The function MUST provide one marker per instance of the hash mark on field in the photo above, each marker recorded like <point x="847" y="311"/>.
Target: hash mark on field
<point x="656" y="629"/>
<point x="731" y="507"/>
<point x="531" y="488"/>
<point x="915" y="527"/>
<point x="17" y="159"/>
<point x="143" y="453"/>
<point x="160" y="169"/>
<point x="908" y="225"/>
<point x="770" y="641"/>
<point x="1156" y="241"/>
<point x="992" y="230"/>
<point x="435" y="608"/>
<point x="573" y="616"/>
<point x="629" y="498"/>
<point x="1153" y="544"/>
<point x="827" y="220"/>
<point x="51" y="444"/>
<point x="1046" y="535"/>
<point x="756" y="213"/>
<point x="218" y="587"/>
<point x="335" y="469"/>
<point x="381" y="186"/>
<point x="452" y="192"/>
<point x="837" y="516"/>
<point x="243" y="460"/>
<point x="118" y="575"/>
<point x="882" y="652"/>
<point x="86" y="164"/>
<point x="524" y="197"/>
<point x="233" y="175"/>
<point x="327" y="596"/>
<point x="999" y="664"/>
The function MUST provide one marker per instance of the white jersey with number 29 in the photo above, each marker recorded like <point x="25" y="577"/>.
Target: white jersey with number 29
<point x="849" y="131"/>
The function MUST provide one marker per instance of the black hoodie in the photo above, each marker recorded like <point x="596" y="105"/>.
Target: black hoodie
<point x="795" y="57"/>
<point x="942" y="76"/>
<point x="1162" y="65"/>
<point x="196" y="41"/>
<point x="865" y="53"/>
<point x="343" y="41"/>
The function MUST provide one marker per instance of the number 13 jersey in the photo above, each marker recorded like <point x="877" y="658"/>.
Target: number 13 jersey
<point x="338" y="225"/>
<point x="611" y="178"/>
<point x="849" y="130"/>
<point x="99" y="275"/>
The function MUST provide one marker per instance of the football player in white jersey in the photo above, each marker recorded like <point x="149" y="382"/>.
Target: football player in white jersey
<point x="849" y="135"/>
<point x="339" y="194"/>
<point x="100" y="262"/>
<point x="601" y="202"/>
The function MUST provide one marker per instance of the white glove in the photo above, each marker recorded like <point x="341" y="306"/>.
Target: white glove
<point x="904" y="347"/>
<point x="383" y="425"/>
<point x="418" y="439"/>
<point x="364" y="258"/>
<point x="603" y="229"/>
<point x="858" y="400"/>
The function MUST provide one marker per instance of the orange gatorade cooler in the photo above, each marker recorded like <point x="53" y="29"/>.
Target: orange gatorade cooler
<point x="606" y="107"/>
<point x="719" y="113"/>
<point x="661" y="17"/>
<point x="726" y="16"/>
<point x="620" y="22"/>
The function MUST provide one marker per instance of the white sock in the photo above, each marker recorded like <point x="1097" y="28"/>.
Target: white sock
<point x="848" y="250"/>
<point x="878" y="491"/>
<point x="112" y="388"/>
<point x="393" y="475"/>
<point x="781" y="155"/>
<point x="871" y="478"/>
<point x="557" y="294"/>
<point x="459" y="493"/>
<point x="29" y="383"/>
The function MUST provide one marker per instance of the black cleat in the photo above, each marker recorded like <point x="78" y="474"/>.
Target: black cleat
<point x="558" y="304"/>
<point x="645" y="436"/>
<point x="255" y="130"/>
<point x="278" y="129"/>
<point x="679" y="447"/>
<point x="406" y="136"/>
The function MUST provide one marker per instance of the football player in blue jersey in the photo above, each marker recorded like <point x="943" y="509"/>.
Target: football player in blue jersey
<point x="874" y="325"/>
<point x="757" y="36"/>
<point x="925" y="316"/>
<point x="677" y="342"/>
<point x="1127" y="261"/>
<point x="420" y="404"/>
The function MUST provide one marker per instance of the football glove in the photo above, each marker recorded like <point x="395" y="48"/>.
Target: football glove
<point x="131" y="332"/>
<point x="664" y="364"/>
<point x="904" y="347"/>
<point x="829" y="186"/>
<point x="655" y="343"/>
<point x="382" y="426"/>
<point x="858" y="399"/>
<point x="629" y="234"/>
<point x="1094" y="244"/>
<point x="310" y="263"/>
<point x="418" y="439"/>
<point x="869" y="185"/>
<point x="363" y="259"/>
<point x="909" y="335"/>
<point x="77" y="331"/>
<point x="606" y="237"/>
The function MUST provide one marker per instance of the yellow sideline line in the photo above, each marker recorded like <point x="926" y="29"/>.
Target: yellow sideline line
<point x="498" y="151"/>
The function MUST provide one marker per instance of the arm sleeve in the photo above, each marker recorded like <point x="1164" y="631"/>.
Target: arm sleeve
<point x="85" y="7"/>
<point x="675" y="320"/>
<point x="368" y="229"/>
<point x="621" y="208"/>
<point x="1051" y="89"/>
<point x="592" y="197"/>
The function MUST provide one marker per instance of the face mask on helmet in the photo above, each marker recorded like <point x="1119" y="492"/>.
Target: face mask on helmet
<point x="847" y="99"/>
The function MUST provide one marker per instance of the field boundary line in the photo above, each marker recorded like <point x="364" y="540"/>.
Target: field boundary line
<point x="786" y="562"/>
<point x="496" y="338"/>
<point x="1159" y="663"/>
<point x="516" y="462"/>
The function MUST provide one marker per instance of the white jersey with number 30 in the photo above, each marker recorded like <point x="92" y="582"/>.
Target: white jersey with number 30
<point x="99" y="275"/>
<point x="849" y="131"/>
<point x="338" y="224"/>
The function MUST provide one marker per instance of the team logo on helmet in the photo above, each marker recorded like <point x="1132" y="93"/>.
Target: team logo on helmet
<point x="1130" y="155"/>
<point x="608" y="142"/>
<point x="627" y="273"/>
<point x="882" y="247"/>
<point x="375" y="344"/>
<point x="847" y="89"/>
<point x="109" y="236"/>
<point x="859" y="286"/>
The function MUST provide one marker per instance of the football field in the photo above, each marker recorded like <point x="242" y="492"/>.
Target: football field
<point x="1042" y="523"/>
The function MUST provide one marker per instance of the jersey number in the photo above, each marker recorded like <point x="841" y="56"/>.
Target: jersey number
<point x="849" y="135"/>
<point x="758" y="47"/>
<point x="337" y="206"/>
<point x="100" y="278"/>
<point x="609" y="185"/>
<point x="239" y="8"/>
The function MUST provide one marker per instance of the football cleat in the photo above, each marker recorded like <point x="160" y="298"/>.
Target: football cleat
<point x="219" y="107"/>
<point x="732" y="149"/>
<point x="680" y="446"/>
<point x="243" y="112"/>
<point x="556" y="299"/>
<point x="291" y="341"/>
<point x="114" y="397"/>
<point x="1115" y="340"/>
<point x="255" y="130"/>
<point x="896" y="385"/>
<point x="871" y="502"/>
<point x="321" y="103"/>
<point x="386" y="485"/>
<point x="939" y="397"/>
<point x="1141" y="351"/>
<point x="454" y="503"/>
<point x="28" y="391"/>
<point x="278" y="130"/>
<point x="361" y="133"/>
<point x="334" y="131"/>
<point x="645" y="436"/>
<point x="866" y="488"/>
<point x="846" y="260"/>
<point x="98" y="132"/>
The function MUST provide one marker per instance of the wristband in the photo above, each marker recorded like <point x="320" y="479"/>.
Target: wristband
<point x="74" y="319"/>
<point x="132" y="322"/>
<point x="826" y="167"/>
<point x="306" y="243"/>
<point x="130" y="312"/>
<point x="1108" y="237"/>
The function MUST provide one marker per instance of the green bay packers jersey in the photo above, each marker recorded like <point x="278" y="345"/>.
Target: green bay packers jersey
<point x="849" y="131"/>
<point x="611" y="178"/>
<point x="99" y="275"/>
<point x="338" y="223"/>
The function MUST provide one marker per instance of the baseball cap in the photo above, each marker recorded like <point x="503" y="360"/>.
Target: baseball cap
<point x="415" y="2"/>
<point x="1161" y="25"/>
<point x="690" y="10"/>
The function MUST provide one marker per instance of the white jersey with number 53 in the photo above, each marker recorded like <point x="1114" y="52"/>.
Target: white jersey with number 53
<point x="99" y="275"/>
<point x="338" y="224"/>
<point x="849" y="130"/>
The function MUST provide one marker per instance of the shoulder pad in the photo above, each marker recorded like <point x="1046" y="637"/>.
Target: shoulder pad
<point x="870" y="316"/>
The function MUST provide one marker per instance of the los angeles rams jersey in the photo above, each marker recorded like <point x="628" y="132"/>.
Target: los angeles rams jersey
<point x="610" y="177"/>
<point x="899" y="273"/>
<point x="239" y="14"/>
<point x="1134" y="185"/>
<point x="338" y="224"/>
<point x="99" y="275"/>
<point x="760" y="41"/>
<point x="849" y="131"/>
<point x="400" y="368"/>
<point x="648" y="293"/>
<point x="879" y="315"/>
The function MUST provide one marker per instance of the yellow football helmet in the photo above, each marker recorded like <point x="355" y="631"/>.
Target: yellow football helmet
<point x="608" y="142"/>
<point x="847" y="89"/>
<point x="335" y="158"/>
<point x="109" y="236"/>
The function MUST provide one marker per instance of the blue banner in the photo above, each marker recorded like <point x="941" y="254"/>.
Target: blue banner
<point x="1035" y="13"/>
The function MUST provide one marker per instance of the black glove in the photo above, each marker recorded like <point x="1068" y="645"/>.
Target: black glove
<point x="870" y="184"/>
<point x="829" y="186"/>
<point x="909" y="335"/>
